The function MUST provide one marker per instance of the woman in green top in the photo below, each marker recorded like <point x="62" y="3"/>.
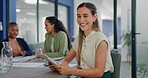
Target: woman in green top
<point x="57" y="42"/>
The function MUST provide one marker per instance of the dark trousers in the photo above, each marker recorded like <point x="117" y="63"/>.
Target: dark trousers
<point x="107" y="75"/>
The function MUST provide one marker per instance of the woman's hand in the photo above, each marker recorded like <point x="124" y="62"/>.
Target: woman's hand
<point x="16" y="53"/>
<point x="52" y="67"/>
<point x="38" y="51"/>
<point x="23" y="53"/>
<point x="64" y="69"/>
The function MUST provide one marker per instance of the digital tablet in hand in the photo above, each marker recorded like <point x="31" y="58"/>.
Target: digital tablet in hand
<point x="47" y="58"/>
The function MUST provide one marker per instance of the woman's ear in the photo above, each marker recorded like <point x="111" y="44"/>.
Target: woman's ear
<point x="94" y="17"/>
<point x="53" y="25"/>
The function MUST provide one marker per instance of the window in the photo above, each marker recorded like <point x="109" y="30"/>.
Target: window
<point x="27" y="18"/>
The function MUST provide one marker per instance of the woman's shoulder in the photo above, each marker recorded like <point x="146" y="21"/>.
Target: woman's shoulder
<point x="100" y="35"/>
<point x="61" y="33"/>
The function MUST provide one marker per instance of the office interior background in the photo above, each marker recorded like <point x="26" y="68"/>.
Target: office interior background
<point x="30" y="16"/>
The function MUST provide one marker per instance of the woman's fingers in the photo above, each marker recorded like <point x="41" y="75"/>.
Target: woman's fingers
<point x="52" y="67"/>
<point x="23" y="53"/>
<point x="58" y="66"/>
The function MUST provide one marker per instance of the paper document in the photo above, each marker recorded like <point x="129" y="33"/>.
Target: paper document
<point x="28" y="65"/>
<point x="22" y="58"/>
<point x="47" y="58"/>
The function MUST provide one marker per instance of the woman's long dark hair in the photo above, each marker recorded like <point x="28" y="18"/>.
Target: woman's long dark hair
<point x="58" y="26"/>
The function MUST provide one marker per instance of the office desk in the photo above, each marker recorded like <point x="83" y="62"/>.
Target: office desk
<point x="31" y="72"/>
<point x="28" y="72"/>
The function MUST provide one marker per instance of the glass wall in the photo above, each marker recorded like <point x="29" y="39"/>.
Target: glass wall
<point x="27" y="18"/>
<point x="142" y="38"/>
<point x="125" y="31"/>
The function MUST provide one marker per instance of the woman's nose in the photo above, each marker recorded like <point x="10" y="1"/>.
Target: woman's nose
<point x="81" y="19"/>
<point x="45" y="27"/>
<point x="15" y="32"/>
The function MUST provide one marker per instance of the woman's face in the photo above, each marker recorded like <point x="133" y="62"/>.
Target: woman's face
<point x="85" y="19"/>
<point x="13" y="31"/>
<point x="49" y="28"/>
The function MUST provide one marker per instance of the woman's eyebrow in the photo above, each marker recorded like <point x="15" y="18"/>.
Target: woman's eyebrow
<point x="83" y="14"/>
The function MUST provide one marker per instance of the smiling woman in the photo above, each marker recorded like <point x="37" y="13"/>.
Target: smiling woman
<point x="85" y="20"/>
<point x="19" y="46"/>
<point x="91" y="48"/>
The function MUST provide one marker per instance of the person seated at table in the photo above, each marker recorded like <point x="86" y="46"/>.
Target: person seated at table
<point x="19" y="45"/>
<point x="91" y="48"/>
<point x="57" y="42"/>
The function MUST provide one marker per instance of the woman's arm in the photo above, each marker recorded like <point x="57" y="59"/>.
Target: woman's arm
<point x="24" y="46"/>
<point x="69" y="57"/>
<point x="64" y="61"/>
<point x="100" y="62"/>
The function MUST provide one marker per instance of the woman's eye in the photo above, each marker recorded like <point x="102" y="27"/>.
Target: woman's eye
<point x="85" y="16"/>
<point x="78" y="16"/>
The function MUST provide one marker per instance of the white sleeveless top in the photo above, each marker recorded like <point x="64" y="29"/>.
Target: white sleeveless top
<point x="89" y="47"/>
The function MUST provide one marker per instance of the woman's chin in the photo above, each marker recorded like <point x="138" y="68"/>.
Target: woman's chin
<point x="12" y="37"/>
<point x="83" y="29"/>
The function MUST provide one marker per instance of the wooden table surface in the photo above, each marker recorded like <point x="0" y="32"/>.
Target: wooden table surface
<point x="28" y="72"/>
<point x="31" y="72"/>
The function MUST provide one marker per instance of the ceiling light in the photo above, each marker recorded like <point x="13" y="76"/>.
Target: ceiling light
<point x="35" y="2"/>
<point x="31" y="13"/>
<point x="18" y="10"/>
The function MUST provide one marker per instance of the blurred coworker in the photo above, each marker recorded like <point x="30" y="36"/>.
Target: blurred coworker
<point x="19" y="45"/>
<point x="57" y="42"/>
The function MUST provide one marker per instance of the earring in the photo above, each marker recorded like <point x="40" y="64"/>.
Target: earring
<point x="8" y="34"/>
<point x="93" y="22"/>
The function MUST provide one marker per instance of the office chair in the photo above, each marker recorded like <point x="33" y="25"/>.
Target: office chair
<point x="116" y="58"/>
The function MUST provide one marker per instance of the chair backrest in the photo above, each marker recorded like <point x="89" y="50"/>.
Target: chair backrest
<point x="35" y="46"/>
<point x="116" y="58"/>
